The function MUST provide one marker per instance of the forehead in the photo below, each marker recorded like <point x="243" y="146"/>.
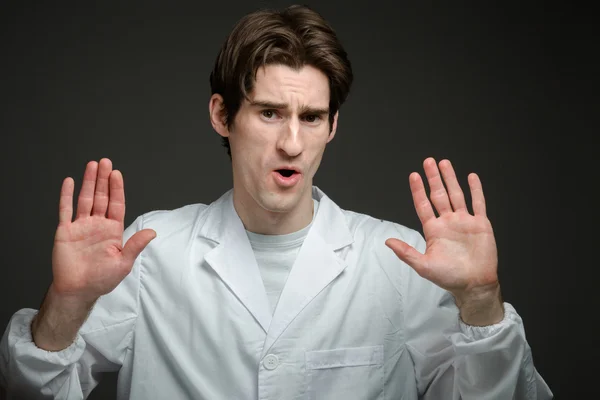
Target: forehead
<point x="287" y="85"/>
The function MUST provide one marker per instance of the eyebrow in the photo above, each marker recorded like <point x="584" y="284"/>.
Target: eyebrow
<point x="279" y="106"/>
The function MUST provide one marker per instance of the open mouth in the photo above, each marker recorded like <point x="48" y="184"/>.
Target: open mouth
<point x="286" y="172"/>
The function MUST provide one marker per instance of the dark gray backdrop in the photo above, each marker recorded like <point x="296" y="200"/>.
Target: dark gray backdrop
<point x="502" y="91"/>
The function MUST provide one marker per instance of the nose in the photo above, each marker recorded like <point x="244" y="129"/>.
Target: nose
<point x="290" y="139"/>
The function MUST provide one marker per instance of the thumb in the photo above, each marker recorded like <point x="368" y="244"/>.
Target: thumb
<point x="136" y="244"/>
<point x="406" y="253"/>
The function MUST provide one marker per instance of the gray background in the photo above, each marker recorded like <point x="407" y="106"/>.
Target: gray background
<point x="507" y="92"/>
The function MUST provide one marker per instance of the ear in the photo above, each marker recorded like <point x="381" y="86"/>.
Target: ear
<point x="216" y="109"/>
<point x="333" y="127"/>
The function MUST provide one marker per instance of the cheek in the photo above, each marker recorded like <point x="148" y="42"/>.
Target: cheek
<point x="316" y="152"/>
<point x="250" y="145"/>
<point x="255" y="137"/>
<point x="252" y="158"/>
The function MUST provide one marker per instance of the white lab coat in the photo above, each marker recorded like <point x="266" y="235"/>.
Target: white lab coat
<point x="192" y="321"/>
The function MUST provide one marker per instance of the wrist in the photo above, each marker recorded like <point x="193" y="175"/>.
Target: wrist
<point x="481" y="306"/>
<point x="68" y="301"/>
<point x="56" y="324"/>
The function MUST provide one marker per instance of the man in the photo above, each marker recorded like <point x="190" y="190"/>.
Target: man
<point x="273" y="291"/>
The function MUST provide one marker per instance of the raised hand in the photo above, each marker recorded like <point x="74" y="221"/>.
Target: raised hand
<point x="88" y="258"/>
<point x="461" y="254"/>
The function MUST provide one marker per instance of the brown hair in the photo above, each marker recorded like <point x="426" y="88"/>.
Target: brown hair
<point x="294" y="37"/>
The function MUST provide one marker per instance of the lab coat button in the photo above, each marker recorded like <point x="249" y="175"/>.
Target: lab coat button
<point x="271" y="361"/>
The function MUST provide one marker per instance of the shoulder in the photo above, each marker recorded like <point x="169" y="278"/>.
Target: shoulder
<point x="181" y="215"/>
<point x="370" y="234"/>
<point x="167" y="222"/>
<point x="377" y="231"/>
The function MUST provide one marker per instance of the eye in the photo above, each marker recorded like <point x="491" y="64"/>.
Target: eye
<point x="312" y="118"/>
<point x="268" y="114"/>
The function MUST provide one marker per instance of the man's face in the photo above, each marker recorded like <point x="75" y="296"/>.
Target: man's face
<point x="279" y="136"/>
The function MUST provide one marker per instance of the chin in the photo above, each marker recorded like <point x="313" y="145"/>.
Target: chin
<point x="277" y="201"/>
<point x="278" y="205"/>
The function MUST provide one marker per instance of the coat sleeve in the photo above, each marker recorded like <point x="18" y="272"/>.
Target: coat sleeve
<point x="101" y="345"/>
<point x="453" y="360"/>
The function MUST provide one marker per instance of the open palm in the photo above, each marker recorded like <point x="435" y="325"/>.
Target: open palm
<point x="461" y="254"/>
<point x="88" y="258"/>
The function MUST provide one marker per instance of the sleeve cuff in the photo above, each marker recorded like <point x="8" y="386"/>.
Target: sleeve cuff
<point x="468" y="339"/>
<point x="24" y="345"/>
<point x="483" y="332"/>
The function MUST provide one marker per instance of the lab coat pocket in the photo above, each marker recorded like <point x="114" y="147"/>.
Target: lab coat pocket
<point x="348" y="373"/>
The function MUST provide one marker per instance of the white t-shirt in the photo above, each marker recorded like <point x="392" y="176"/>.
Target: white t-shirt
<point x="275" y="256"/>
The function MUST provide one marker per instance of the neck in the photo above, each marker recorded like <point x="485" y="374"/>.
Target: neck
<point x="258" y="220"/>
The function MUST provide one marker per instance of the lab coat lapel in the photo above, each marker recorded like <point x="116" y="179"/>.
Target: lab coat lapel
<point x="233" y="258"/>
<point x="318" y="263"/>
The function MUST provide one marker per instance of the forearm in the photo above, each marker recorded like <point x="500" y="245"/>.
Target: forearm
<point x="496" y="360"/>
<point x="485" y="363"/>
<point x="29" y="368"/>
<point x="30" y="372"/>
<point x="56" y="325"/>
<point x="491" y="361"/>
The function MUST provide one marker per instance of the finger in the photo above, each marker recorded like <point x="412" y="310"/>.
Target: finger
<point x="407" y="253"/>
<point x="86" y="195"/>
<point x="136" y="244"/>
<point x="455" y="193"/>
<point x="477" y="195"/>
<point x="101" y="193"/>
<point x="116" y="202"/>
<point x="437" y="192"/>
<point x="420" y="200"/>
<point x="65" y="204"/>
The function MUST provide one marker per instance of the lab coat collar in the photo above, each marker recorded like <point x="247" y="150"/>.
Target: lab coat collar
<point x="318" y="262"/>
